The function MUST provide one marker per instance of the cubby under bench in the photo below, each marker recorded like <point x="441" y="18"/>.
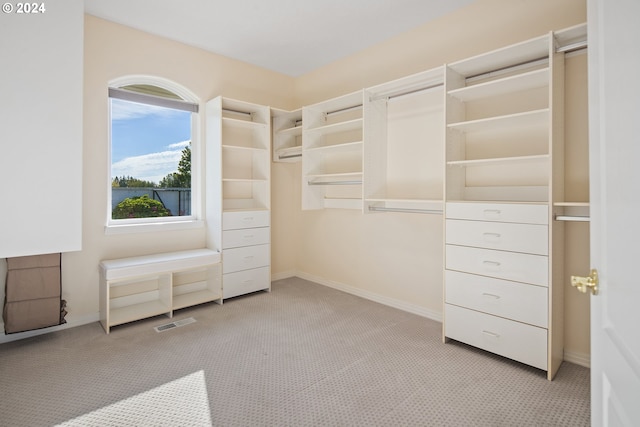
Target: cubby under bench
<point x="135" y="288"/>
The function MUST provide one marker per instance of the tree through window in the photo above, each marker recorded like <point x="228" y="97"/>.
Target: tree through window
<point x="151" y="139"/>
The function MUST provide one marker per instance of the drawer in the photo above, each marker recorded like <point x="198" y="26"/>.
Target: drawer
<point x="245" y="237"/>
<point x="238" y="259"/>
<point x="501" y="212"/>
<point x="512" y="300"/>
<point x="514" y="266"/>
<point x="244" y="282"/>
<point x="244" y="219"/>
<point x="524" y="343"/>
<point x="527" y="238"/>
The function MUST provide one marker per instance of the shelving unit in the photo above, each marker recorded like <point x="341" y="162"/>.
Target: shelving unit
<point x="238" y="210"/>
<point x="287" y="135"/>
<point x="504" y="174"/>
<point x="332" y="147"/>
<point x="571" y="211"/>
<point x="139" y="287"/>
<point x="404" y="142"/>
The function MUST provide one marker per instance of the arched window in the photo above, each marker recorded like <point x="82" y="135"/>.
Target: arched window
<point x="153" y="151"/>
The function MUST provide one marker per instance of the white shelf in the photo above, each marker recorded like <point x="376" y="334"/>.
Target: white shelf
<point x="501" y="160"/>
<point x="246" y="149"/>
<point x="509" y="56"/>
<point x="536" y="118"/>
<point x="335" y="178"/>
<point x="194" y="298"/>
<point x="239" y="123"/>
<point x="346" y="126"/>
<point x="291" y="154"/>
<point x="520" y="82"/>
<point x="336" y="148"/>
<point x="134" y="312"/>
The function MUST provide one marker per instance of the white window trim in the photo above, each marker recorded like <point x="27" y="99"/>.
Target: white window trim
<point x="141" y="225"/>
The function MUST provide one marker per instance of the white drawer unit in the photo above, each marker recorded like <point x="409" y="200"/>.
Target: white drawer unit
<point x="525" y="238"/>
<point x="497" y="278"/>
<point x="245" y="258"/>
<point x="511" y="300"/>
<point x="234" y="220"/>
<point x="246" y="252"/>
<point x="508" y="338"/>
<point x="246" y="281"/>
<point x="501" y="212"/>
<point x="245" y="237"/>
<point x="525" y="268"/>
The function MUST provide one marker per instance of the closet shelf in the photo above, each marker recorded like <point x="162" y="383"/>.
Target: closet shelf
<point x="355" y="124"/>
<point x="511" y="84"/>
<point x="193" y="298"/>
<point x="347" y="146"/>
<point x="239" y="123"/>
<point x="535" y="118"/>
<point x="293" y="131"/>
<point x="496" y="161"/>
<point x="241" y="148"/>
<point x="244" y="180"/>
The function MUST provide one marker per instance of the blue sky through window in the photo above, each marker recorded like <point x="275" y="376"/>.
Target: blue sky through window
<point x="146" y="140"/>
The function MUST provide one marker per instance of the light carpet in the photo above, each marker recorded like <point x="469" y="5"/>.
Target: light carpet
<point x="301" y="355"/>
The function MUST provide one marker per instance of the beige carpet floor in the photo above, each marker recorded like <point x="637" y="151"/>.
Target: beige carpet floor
<point x="302" y="355"/>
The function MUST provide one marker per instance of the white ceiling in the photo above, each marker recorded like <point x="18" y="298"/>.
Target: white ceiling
<point x="289" y="36"/>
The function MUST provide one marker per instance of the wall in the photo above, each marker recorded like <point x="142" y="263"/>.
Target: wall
<point x="397" y="258"/>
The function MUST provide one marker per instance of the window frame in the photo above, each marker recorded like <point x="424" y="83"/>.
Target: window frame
<point x="154" y="224"/>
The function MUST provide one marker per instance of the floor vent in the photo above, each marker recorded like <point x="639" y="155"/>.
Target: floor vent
<point x="175" y="324"/>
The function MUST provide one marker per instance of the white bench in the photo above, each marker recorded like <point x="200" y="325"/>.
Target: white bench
<point x="135" y="288"/>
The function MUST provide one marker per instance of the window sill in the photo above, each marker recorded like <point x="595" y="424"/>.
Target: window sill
<point x="153" y="227"/>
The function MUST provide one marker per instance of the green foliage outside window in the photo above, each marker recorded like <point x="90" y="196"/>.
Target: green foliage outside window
<point x="139" y="207"/>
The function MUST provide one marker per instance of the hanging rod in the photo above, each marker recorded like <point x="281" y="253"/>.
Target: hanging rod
<point x="406" y="210"/>
<point x="571" y="218"/>
<point x="409" y="92"/>
<point x="343" y="110"/>
<point x="289" y="156"/>
<point x="573" y="46"/>
<point x="228" y="110"/>
<point x="334" y="182"/>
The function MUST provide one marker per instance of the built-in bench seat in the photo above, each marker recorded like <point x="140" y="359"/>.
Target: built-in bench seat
<point x="135" y="288"/>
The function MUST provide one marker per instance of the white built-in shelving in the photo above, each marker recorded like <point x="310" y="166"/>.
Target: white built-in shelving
<point x="287" y="135"/>
<point x="332" y="147"/>
<point x="238" y="208"/>
<point x="404" y="140"/>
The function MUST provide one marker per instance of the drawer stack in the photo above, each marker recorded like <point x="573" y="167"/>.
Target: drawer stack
<point x="497" y="278"/>
<point x="246" y="252"/>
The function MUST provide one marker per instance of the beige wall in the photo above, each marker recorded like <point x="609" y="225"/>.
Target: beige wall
<point x="398" y="257"/>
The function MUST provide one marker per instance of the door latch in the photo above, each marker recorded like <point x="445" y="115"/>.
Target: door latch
<point x="583" y="284"/>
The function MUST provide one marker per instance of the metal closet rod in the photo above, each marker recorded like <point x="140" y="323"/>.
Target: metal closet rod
<point x="228" y="110"/>
<point x="334" y="182"/>
<point x="406" y="210"/>
<point x="289" y="156"/>
<point x="343" y="110"/>
<point x="408" y="92"/>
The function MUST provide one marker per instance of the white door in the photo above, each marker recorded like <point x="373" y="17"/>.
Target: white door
<point x="614" y="132"/>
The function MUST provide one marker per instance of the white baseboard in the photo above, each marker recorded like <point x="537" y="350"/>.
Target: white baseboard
<point x="283" y="275"/>
<point x="581" y="359"/>
<point x="382" y="299"/>
<point x="72" y="322"/>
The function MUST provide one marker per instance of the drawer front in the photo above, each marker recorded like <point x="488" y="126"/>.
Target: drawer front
<point x="245" y="237"/>
<point x="238" y="259"/>
<point x="527" y="238"/>
<point x="512" y="300"/>
<point x="517" y="341"/>
<point x="501" y="212"/>
<point x="244" y="219"/>
<point x="244" y="282"/>
<point x="524" y="268"/>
